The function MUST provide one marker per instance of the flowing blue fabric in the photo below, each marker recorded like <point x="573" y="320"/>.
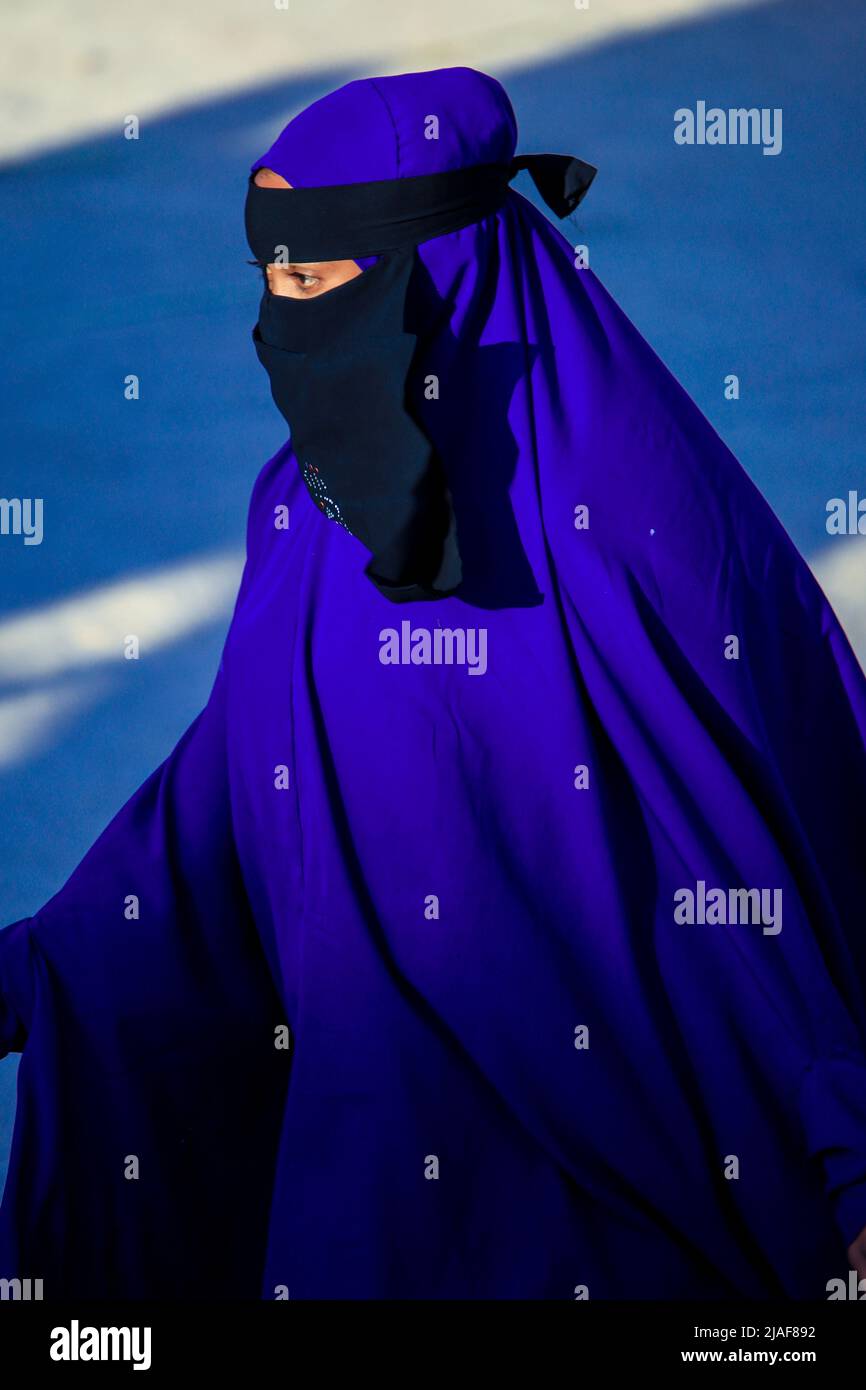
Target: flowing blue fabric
<point x="517" y="1069"/>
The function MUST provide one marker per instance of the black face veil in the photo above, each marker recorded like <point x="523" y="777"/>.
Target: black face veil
<point x="339" y="363"/>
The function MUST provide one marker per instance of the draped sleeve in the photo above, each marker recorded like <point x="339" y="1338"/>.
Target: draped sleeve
<point x="150" y="1088"/>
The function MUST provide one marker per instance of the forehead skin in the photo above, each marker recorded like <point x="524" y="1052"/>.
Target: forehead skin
<point x="266" y="178"/>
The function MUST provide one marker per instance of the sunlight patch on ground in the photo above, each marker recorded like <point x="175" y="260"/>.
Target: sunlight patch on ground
<point x="44" y="652"/>
<point x="157" y="607"/>
<point x="841" y="572"/>
<point x="71" y="70"/>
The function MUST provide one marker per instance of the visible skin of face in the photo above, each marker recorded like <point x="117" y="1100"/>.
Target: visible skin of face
<point x="303" y="280"/>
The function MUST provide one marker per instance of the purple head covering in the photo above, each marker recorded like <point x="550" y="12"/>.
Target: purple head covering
<point x="559" y="901"/>
<point x="383" y="128"/>
<point x="396" y="128"/>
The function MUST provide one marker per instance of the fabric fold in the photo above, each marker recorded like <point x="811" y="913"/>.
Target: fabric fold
<point x="16" y="986"/>
<point x="833" y="1107"/>
<point x="150" y="1087"/>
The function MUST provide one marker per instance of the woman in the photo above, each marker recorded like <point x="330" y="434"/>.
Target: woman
<point x="496" y="930"/>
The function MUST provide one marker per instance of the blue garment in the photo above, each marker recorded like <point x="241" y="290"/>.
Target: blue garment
<point x="557" y="884"/>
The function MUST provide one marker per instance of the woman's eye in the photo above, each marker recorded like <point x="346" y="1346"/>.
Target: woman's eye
<point x="305" y="281"/>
